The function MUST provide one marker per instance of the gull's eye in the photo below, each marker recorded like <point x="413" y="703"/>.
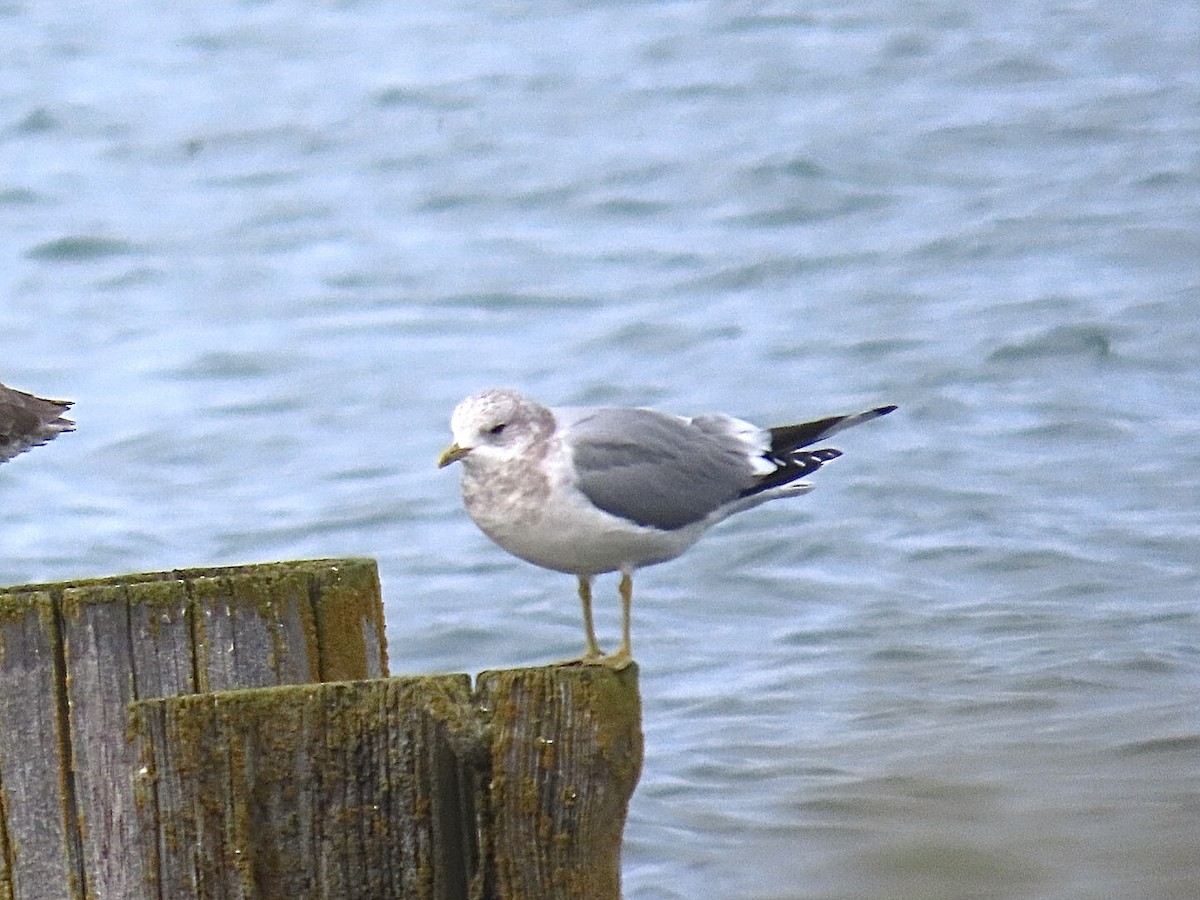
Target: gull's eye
<point x="498" y="430"/>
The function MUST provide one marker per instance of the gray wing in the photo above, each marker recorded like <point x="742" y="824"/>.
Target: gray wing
<point x="27" y="421"/>
<point x="655" y="469"/>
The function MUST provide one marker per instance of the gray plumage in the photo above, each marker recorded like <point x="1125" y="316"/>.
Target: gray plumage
<point x="669" y="472"/>
<point x="655" y="469"/>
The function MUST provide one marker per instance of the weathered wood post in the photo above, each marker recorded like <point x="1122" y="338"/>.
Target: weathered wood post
<point x="398" y="787"/>
<point x="565" y="756"/>
<point x="132" y="765"/>
<point x="74" y="655"/>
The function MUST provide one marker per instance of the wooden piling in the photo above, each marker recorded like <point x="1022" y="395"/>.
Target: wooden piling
<point x="399" y="787"/>
<point x="134" y="761"/>
<point x="74" y="655"/>
<point x="565" y="754"/>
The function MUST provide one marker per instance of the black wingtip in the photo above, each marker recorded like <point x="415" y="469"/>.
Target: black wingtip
<point x="786" y="438"/>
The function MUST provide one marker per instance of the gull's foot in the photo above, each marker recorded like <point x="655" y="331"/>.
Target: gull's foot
<point x="615" y="661"/>
<point x="588" y="659"/>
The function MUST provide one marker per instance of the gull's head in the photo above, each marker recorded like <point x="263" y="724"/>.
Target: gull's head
<point x="495" y="425"/>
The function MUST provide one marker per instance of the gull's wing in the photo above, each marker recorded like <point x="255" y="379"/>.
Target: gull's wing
<point x="658" y="470"/>
<point x="27" y="421"/>
<point x="669" y="472"/>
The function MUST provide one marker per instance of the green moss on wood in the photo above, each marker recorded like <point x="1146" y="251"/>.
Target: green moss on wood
<point x="267" y="747"/>
<point x="346" y="596"/>
<point x="568" y="742"/>
<point x="533" y="761"/>
<point x="279" y="743"/>
<point x="17" y="606"/>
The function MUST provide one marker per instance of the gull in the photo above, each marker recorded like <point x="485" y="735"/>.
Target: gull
<point x="590" y="490"/>
<point x="28" y="421"/>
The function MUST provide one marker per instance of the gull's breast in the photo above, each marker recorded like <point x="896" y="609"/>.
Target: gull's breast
<point x="556" y="527"/>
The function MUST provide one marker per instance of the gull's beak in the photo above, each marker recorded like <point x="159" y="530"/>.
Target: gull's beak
<point x="452" y="454"/>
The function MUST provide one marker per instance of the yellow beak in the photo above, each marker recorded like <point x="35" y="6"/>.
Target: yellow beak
<point x="451" y="454"/>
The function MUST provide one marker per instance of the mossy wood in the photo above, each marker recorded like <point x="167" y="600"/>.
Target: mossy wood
<point x="564" y="755"/>
<point x="74" y="655"/>
<point x="394" y="788"/>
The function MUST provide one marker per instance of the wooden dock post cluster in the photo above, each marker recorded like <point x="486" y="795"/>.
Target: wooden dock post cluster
<point x="231" y="733"/>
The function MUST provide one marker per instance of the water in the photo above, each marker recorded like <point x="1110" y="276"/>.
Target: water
<point x="267" y="247"/>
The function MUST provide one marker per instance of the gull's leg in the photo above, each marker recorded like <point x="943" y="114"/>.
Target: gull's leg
<point x="592" y="649"/>
<point x="624" y="654"/>
<point x="626" y="588"/>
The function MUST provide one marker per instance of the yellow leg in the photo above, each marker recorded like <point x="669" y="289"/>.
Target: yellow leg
<point x="591" y="648"/>
<point x="626" y="648"/>
<point x="624" y="654"/>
